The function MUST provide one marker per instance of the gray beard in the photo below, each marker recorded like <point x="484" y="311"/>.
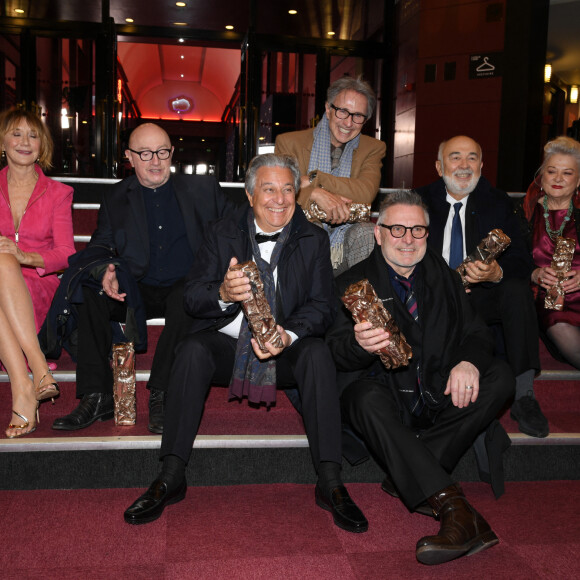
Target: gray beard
<point x="451" y="185"/>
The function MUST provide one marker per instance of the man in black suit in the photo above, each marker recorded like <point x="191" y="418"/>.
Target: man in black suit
<point x="418" y="420"/>
<point x="293" y="257"/>
<point x="500" y="291"/>
<point x="154" y="223"/>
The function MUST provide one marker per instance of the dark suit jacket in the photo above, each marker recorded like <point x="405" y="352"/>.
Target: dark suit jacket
<point x="305" y="288"/>
<point x="487" y="208"/>
<point x="449" y="330"/>
<point x="122" y="221"/>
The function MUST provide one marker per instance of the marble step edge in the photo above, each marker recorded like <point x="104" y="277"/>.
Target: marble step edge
<point x="143" y="375"/>
<point x="213" y="442"/>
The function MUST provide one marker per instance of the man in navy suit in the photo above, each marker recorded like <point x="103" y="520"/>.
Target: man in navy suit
<point x="293" y="258"/>
<point x="499" y="291"/>
<point x="154" y="222"/>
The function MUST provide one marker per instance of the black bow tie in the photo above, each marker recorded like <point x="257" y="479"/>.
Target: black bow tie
<point x="261" y="238"/>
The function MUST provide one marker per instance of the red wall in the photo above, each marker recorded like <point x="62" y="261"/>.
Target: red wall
<point x="435" y="32"/>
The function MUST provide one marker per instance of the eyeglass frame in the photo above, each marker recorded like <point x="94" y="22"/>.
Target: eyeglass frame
<point x="140" y="153"/>
<point x="390" y="228"/>
<point x="349" y="114"/>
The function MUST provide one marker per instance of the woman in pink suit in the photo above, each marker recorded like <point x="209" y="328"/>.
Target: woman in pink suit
<point x="36" y="239"/>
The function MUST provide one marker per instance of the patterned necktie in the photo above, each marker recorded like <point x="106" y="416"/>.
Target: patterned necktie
<point x="418" y="401"/>
<point x="456" y="249"/>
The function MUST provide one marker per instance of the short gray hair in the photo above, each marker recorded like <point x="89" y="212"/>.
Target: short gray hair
<point x="271" y="160"/>
<point x="402" y="197"/>
<point x="352" y="84"/>
<point x="561" y="146"/>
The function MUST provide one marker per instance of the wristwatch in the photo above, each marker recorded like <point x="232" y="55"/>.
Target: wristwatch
<point x="312" y="176"/>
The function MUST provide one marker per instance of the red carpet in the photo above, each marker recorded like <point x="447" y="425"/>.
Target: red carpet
<point x="277" y="532"/>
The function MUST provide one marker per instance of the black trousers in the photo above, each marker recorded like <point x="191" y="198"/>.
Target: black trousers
<point x="511" y="305"/>
<point x="94" y="374"/>
<point x="207" y="358"/>
<point x="419" y="460"/>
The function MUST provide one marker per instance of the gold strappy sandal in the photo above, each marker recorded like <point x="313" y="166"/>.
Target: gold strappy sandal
<point x="49" y="391"/>
<point x="22" y="427"/>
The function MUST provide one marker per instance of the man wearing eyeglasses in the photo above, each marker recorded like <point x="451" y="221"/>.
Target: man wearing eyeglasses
<point x="340" y="166"/>
<point x="153" y="223"/>
<point x="418" y="420"/>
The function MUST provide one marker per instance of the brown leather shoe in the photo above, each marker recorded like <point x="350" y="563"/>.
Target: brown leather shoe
<point x="463" y="531"/>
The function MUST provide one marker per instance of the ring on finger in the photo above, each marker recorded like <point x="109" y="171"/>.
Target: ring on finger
<point x="468" y="387"/>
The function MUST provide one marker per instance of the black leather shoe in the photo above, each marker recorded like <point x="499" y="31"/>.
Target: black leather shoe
<point x="424" y="509"/>
<point x="345" y="512"/>
<point x="91" y="407"/>
<point x="151" y="504"/>
<point x="156" y="410"/>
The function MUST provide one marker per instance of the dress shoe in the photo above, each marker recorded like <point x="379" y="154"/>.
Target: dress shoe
<point x="463" y="531"/>
<point x="92" y="406"/>
<point x="345" y="512"/>
<point x="148" y="507"/>
<point x="531" y="421"/>
<point x="424" y="508"/>
<point x="156" y="410"/>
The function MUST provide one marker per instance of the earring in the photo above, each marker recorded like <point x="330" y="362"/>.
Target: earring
<point x="3" y="154"/>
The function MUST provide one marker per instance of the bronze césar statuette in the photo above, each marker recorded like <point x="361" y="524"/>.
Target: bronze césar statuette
<point x="257" y="310"/>
<point x="124" y="378"/>
<point x="364" y="304"/>
<point x="359" y="212"/>
<point x="486" y="251"/>
<point x="562" y="264"/>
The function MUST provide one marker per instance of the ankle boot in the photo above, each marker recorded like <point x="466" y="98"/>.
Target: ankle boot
<point x="463" y="531"/>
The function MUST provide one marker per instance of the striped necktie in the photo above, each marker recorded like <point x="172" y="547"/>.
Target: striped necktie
<point x="418" y="401"/>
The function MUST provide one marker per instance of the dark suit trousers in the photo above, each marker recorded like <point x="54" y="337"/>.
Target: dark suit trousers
<point x="94" y="374"/>
<point x="511" y="305"/>
<point x="420" y="461"/>
<point x="206" y="358"/>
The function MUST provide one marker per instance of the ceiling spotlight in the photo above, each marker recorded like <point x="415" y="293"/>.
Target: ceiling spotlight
<point x="129" y="20"/>
<point x="18" y="10"/>
<point x="331" y="33"/>
<point x="292" y="12"/>
<point x="181" y="40"/>
<point x="182" y="56"/>
<point x="229" y="27"/>
<point x="180" y="23"/>
<point x="181" y="76"/>
<point x="180" y="4"/>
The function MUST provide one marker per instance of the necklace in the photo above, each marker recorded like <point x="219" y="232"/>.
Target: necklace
<point x="556" y="233"/>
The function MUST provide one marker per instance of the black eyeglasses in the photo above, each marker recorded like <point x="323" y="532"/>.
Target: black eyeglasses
<point x="162" y="154"/>
<point x="399" y="231"/>
<point x="357" y="118"/>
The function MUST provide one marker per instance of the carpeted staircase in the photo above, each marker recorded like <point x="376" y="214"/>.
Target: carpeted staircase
<point x="243" y="445"/>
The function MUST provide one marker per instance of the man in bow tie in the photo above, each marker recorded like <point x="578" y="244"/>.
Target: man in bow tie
<point x="292" y="256"/>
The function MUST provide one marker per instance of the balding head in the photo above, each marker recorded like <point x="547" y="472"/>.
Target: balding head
<point x="459" y="164"/>
<point x="150" y="137"/>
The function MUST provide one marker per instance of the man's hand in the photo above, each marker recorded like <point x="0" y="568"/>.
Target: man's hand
<point x="337" y="208"/>
<point x="369" y="338"/>
<point x="477" y="271"/>
<point x="111" y="284"/>
<point x="272" y="350"/>
<point x="463" y="384"/>
<point x="236" y="285"/>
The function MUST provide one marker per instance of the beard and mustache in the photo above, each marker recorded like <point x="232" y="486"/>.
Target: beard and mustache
<point x="459" y="187"/>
